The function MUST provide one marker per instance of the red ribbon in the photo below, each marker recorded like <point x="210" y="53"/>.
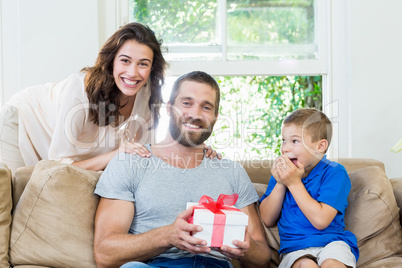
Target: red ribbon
<point x="223" y="202"/>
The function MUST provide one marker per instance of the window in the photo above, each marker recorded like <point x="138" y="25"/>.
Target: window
<point x="249" y="122"/>
<point x="268" y="56"/>
<point x="245" y="30"/>
<point x="238" y="37"/>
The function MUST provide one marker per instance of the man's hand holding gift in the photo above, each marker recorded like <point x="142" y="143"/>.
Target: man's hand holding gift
<point x="181" y="234"/>
<point x="240" y="251"/>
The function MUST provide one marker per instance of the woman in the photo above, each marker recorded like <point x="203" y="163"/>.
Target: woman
<point x="84" y="119"/>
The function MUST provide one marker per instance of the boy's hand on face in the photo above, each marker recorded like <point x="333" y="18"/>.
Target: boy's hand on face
<point x="274" y="172"/>
<point x="289" y="173"/>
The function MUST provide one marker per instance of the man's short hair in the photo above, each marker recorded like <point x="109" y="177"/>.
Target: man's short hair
<point x="313" y="121"/>
<point x="200" y="77"/>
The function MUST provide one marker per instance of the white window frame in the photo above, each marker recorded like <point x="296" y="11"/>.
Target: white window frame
<point x="113" y="14"/>
<point x="333" y="63"/>
<point x="116" y="13"/>
<point x="331" y="28"/>
<point x="250" y="67"/>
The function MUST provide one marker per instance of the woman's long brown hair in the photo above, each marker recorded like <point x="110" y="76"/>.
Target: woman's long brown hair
<point x="100" y="87"/>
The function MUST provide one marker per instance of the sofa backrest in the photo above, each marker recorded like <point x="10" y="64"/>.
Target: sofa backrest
<point x="53" y="221"/>
<point x="5" y="213"/>
<point x="372" y="214"/>
<point x="259" y="171"/>
<point x="361" y="200"/>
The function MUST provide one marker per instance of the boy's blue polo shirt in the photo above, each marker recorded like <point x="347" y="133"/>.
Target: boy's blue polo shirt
<point x="328" y="183"/>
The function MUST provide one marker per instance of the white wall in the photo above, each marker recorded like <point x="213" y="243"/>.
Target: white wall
<point x="46" y="40"/>
<point x="376" y="86"/>
<point x="364" y="69"/>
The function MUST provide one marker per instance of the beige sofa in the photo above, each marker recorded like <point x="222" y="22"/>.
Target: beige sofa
<point x="373" y="213"/>
<point x="54" y="206"/>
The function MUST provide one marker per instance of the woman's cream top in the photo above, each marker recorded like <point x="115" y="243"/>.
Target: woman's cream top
<point x="54" y="123"/>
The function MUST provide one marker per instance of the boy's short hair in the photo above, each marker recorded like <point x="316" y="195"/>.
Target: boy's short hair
<point x="313" y="121"/>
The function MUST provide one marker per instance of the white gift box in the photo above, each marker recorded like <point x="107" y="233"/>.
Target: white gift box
<point x="235" y="225"/>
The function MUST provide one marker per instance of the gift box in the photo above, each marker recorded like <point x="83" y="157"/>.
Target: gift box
<point x="221" y="221"/>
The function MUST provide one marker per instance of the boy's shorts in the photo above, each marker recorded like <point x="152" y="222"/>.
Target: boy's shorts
<point x="337" y="250"/>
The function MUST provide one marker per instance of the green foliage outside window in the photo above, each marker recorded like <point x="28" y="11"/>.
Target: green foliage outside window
<point x="252" y="110"/>
<point x="268" y="22"/>
<point x="253" y="107"/>
<point x="178" y="21"/>
<point x="248" y="21"/>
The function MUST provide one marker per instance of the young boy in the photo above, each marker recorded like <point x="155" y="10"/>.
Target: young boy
<point x="307" y="197"/>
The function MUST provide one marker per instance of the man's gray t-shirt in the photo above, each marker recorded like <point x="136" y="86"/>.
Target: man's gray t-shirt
<point x="160" y="191"/>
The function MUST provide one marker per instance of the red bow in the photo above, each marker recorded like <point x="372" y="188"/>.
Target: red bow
<point x="223" y="202"/>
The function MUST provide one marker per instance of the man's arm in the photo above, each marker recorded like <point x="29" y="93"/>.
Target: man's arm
<point x="114" y="246"/>
<point x="254" y="251"/>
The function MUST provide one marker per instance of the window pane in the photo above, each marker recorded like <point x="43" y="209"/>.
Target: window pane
<point x="188" y="28"/>
<point x="254" y="29"/>
<point x="271" y="29"/>
<point x="252" y="109"/>
<point x="251" y="112"/>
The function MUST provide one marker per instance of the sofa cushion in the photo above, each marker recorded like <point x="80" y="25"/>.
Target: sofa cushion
<point x="391" y="262"/>
<point x="272" y="233"/>
<point x="397" y="187"/>
<point x="20" y="181"/>
<point x="30" y="266"/>
<point x="373" y="216"/>
<point x="259" y="170"/>
<point x="354" y="164"/>
<point x="260" y="188"/>
<point x="5" y="213"/>
<point x="53" y="222"/>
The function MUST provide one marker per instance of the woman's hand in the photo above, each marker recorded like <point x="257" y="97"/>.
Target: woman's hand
<point x="211" y="153"/>
<point x="134" y="148"/>
<point x="141" y="150"/>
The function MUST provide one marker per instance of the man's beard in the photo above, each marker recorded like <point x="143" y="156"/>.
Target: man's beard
<point x="189" y="138"/>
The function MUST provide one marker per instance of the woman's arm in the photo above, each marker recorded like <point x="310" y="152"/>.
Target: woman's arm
<point x="101" y="161"/>
<point x="96" y="163"/>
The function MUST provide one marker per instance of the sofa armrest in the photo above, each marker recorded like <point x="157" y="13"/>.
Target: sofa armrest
<point x="5" y="213"/>
<point x="397" y="188"/>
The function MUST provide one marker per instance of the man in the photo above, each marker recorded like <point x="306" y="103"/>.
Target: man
<point x="141" y="219"/>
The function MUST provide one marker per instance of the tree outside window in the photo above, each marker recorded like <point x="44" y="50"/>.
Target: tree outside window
<point x="236" y="31"/>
